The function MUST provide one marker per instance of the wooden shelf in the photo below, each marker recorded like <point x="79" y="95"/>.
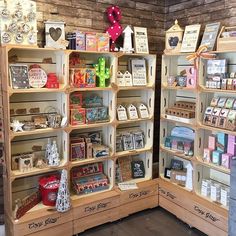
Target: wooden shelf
<point x="15" y="174"/>
<point x="211" y="128"/>
<point x="209" y="90"/>
<point x="163" y="118"/>
<point x="89" y="161"/>
<point x="177" y="185"/>
<point x="139" y="180"/>
<point x="136" y="87"/>
<point x="32" y="132"/>
<point x="212" y="166"/>
<point x="119" y="122"/>
<point x="89" y="126"/>
<point x="177" y="153"/>
<point x="90" y="89"/>
<point x="132" y="152"/>
<point x="165" y="86"/>
<point x="62" y="88"/>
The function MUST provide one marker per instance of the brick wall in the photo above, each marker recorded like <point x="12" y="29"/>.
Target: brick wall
<point x="200" y="11"/>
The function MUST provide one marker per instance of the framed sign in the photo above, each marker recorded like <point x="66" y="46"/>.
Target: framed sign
<point x="167" y="173"/>
<point x="210" y="35"/>
<point x="141" y="40"/>
<point x="139" y="72"/>
<point x="19" y="76"/>
<point x="190" y="39"/>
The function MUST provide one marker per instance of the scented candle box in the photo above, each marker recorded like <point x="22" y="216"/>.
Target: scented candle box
<point x="231" y="147"/>
<point x="226" y="160"/>
<point x="212" y="142"/>
<point x="222" y="139"/>
<point x="216" y="157"/>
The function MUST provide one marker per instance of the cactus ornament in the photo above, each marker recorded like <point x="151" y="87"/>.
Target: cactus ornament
<point x="102" y="72"/>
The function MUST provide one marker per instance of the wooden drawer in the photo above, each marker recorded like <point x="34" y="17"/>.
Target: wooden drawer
<point x="198" y="206"/>
<point x="60" y="230"/>
<point x="191" y="218"/>
<point x="29" y="227"/>
<point x="91" y="221"/>
<point x="146" y="189"/>
<point x="92" y="205"/>
<point x="139" y="205"/>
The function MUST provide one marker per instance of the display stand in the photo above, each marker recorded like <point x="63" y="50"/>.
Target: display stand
<point x="92" y="209"/>
<point x="188" y="204"/>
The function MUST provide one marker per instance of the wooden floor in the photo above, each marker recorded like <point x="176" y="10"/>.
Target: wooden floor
<point x="155" y="222"/>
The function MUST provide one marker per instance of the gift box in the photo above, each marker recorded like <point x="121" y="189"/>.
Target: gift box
<point x="226" y="160"/>
<point x="207" y="154"/>
<point x="212" y="142"/>
<point x="91" y="42"/>
<point x="77" y="116"/>
<point x="231" y="147"/>
<point x="52" y="81"/>
<point x="222" y="139"/>
<point x="80" y="41"/>
<point x="216" y="157"/>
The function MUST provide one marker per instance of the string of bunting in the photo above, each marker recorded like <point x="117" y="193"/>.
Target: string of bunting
<point x="200" y="53"/>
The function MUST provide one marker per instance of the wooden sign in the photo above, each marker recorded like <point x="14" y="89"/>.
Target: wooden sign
<point x="120" y="78"/>
<point x="139" y="72"/>
<point x="128" y="79"/>
<point x="190" y="39"/>
<point x="138" y="169"/>
<point x="141" y="40"/>
<point x="37" y="78"/>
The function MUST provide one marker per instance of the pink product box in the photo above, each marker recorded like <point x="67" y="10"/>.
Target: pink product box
<point x="207" y="154"/>
<point x="231" y="147"/>
<point x="212" y="142"/>
<point x="226" y="160"/>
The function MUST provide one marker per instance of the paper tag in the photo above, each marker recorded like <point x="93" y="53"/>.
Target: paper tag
<point x="127" y="186"/>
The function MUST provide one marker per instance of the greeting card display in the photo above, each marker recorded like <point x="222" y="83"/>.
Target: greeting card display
<point x="18" y="23"/>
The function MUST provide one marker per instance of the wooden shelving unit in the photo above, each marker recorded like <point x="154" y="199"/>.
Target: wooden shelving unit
<point x="194" y="206"/>
<point x="87" y="210"/>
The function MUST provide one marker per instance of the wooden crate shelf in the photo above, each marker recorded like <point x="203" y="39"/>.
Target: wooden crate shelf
<point x="87" y="210"/>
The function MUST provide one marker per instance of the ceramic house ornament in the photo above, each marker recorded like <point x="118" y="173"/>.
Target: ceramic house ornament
<point x="174" y="37"/>
<point x="55" y="34"/>
<point x="132" y="112"/>
<point x="18" y="24"/>
<point x="121" y="113"/>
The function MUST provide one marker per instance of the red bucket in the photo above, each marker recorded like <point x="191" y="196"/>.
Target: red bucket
<point x="48" y="187"/>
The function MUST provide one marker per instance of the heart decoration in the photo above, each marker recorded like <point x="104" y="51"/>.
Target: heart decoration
<point x="55" y="33"/>
<point x="27" y="162"/>
<point x="173" y="41"/>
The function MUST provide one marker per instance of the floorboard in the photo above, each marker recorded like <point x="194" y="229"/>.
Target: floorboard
<point x="155" y="222"/>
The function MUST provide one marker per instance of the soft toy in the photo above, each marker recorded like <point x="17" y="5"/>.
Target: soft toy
<point x="115" y="30"/>
<point x="102" y="72"/>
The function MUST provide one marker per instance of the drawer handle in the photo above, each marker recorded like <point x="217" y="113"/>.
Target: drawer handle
<point x="164" y="132"/>
<point x="200" y="142"/>
<point x="203" y="71"/>
<point x="151" y="70"/>
<point x="201" y="107"/>
<point x="149" y="133"/>
<point x="198" y="176"/>
<point x="164" y="102"/>
<point x="64" y="145"/>
<point x="111" y="105"/>
<point x="165" y="70"/>
<point x="110" y="138"/>
<point x="150" y="102"/>
<point x="64" y="108"/>
<point x="110" y="172"/>
<point x="148" y="163"/>
<point x="63" y="69"/>
<point x="163" y="162"/>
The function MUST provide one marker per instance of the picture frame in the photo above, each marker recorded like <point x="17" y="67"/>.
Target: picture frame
<point x="210" y="35"/>
<point x="190" y="39"/>
<point x="19" y="78"/>
<point x="141" y="40"/>
<point x="139" y="72"/>
<point x="138" y="169"/>
<point x="167" y="173"/>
